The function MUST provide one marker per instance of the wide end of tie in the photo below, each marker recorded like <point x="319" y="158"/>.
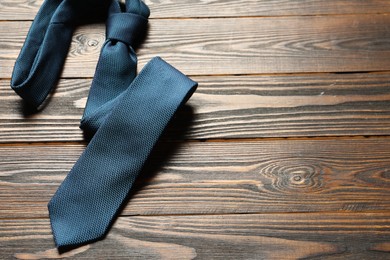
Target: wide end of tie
<point x="72" y="229"/>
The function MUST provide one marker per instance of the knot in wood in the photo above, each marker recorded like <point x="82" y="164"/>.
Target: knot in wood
<point x="295" y="178"/>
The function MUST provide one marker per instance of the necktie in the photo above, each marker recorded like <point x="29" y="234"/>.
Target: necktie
<point x="126" y="113"/>
<point x="42" y="56"/>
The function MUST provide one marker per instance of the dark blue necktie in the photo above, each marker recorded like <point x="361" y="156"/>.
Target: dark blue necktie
<point x="125" y="113"/>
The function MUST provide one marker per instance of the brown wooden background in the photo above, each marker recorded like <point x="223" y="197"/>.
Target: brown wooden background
<point x="282" y="153"/>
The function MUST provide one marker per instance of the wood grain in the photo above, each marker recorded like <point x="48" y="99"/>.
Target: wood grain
<point x="235" y="45"/>
<point x="263" y="236"/>
<point x="227" y="107"/>
<point x="218" y="178"/>
<point x="276" y="72"/>
<point x="27" y="9"/>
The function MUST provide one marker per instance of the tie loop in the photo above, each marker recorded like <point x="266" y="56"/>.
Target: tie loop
<point x="41" y="59"/>
<point x="126" y="27"/>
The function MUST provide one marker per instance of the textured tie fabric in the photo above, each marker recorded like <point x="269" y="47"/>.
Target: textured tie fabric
<point x="126" y="113"/>
<point x="117" y="65"/>
<point x="89" y="197"/>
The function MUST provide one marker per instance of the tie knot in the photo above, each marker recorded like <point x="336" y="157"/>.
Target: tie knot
<point x="126" y="27"/>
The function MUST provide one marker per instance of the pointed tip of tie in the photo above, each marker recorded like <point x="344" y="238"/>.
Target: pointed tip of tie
<point x="72" y="232"/>
<point x="71" y="238"/>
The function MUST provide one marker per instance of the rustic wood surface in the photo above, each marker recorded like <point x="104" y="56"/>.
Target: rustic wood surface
<point x="219" y="177"/>
<point x="25" y="9"/>
<point x="248" y="45"/>
<point x="228" y="107"/>
<point x="282" y="153"/>
<point x="235" y="236"/>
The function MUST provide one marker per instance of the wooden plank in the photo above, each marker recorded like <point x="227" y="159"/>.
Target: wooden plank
<point x="236" y="45"/>
<point x="218" y="178"/>
<point x="268" y="236"/>
<point x="27" y="9"/>
<point x="231" y="8"/>
<point x="227" y="107"/>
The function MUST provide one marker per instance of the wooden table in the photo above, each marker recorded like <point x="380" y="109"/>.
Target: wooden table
<point x="282" y="153"/>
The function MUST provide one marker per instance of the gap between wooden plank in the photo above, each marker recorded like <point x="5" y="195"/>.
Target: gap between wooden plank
<point x="211" y="140"/>
<point x="207" y="215"/>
